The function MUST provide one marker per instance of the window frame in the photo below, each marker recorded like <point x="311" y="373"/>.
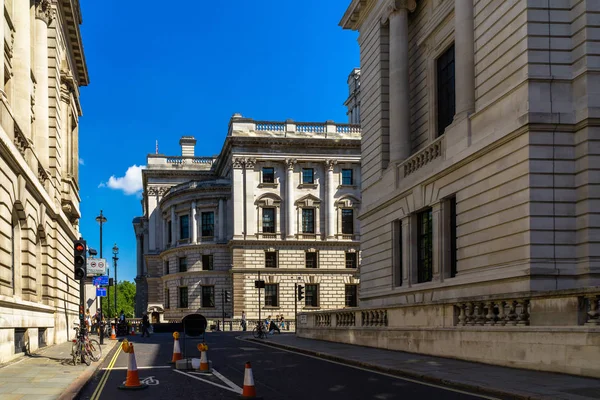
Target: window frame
<point x="179" y="264"/>
<point x="271" y="174"/>
<point x="345" y="221"/>
<point x="183" y="217"/>
<point x="203" y="225"/>
<point x="445" y="88"/>
<point x="355" y="296"/>
<point x="180" y="303"/>
<point x="276" y="295"/>
<point x="425" y="246"/>
<point x="351" y="176"/>
<point x="166" y="299"/>
<point x="312" y="176"/>
<point x="354" y="255"/>
<point x="306" y="295"/>
<point x="273" y="228"/>
<point x="267" y="260"/>
<point x="314" y="256"/>
<point x="202" y="296"/>
<point x="305" y="224"/>
<point x="207" y="259"/>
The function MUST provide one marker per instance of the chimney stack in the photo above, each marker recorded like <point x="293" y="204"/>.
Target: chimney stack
<point x="187" y="144"/>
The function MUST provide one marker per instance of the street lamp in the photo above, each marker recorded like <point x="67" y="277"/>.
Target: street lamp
<point x="101" y="219"/>
<point x="115" y="250"/>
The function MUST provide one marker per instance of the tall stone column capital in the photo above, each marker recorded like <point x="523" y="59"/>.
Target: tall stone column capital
<point x="43" y="11"/>
<point x="290" y="162"/>
<point x="398" y="5"/>
<point x="239" y="163"/>
<point x="330" y="164"/>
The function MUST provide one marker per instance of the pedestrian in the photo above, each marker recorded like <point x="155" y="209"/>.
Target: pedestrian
<point x="88" y="320"/>
<point x="273" y="326"/>
<point x="281" y="322"/>
<point x="145" y="324"/>
<point x="244" y="323"/>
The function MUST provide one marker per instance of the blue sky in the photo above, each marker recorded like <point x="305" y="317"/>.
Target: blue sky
<point x="160" y="72"/>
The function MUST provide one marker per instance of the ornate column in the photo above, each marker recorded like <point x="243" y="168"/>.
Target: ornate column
<point x="194" y="223"/>
<point x="237" y="195"/>
<point x="330" y="200"/>
<point x="43" y="16"/>
<point x="464" y="47"/>
<point x="398" y="84"/>
<point x="173" y="226"/>
<point x="221" y="219"/>
<point x="165" y="233"/>
<point x="23" y="85"/>
<point x="2" y="22"/>
<point x="289" y="198"/>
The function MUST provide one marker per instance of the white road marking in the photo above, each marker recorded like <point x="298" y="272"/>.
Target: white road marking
<point x="377" y="372"/>
<point x="227" y="381"/>
<point x="248" y="348"/>
<point x="207" y="381"/>
<point x="123" y="368"/>
<point x="148" y="381"/>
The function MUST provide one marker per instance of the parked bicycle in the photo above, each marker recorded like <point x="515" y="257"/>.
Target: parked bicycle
<point x="259" y="331"/>
<point x="84" y="349"/>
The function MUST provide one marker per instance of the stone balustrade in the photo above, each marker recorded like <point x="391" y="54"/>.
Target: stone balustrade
<point x="423" y="157"/>
<point x="345" y="319"/>
<point x="489" y="313"/>
<point x="323" y="319"/>
<point x="374" y="318"/>
<point x="315" y="129"/>
<point x="193" y="160"/>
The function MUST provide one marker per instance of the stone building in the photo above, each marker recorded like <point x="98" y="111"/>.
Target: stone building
<point x="43" y="68"/>
<point x="480" y="158"/>
<point x="278" y="203"/>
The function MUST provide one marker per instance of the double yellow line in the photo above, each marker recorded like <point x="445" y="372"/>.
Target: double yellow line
<point x="104" y="378"/>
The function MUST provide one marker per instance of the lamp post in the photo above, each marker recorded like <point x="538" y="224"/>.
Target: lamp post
<point x="101" y="219"/>
<point x="115" y="250"/>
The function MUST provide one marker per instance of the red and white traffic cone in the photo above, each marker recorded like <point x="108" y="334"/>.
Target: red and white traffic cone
<point x="249" y="391"/>
<point x="176" y="349"/>
<point x="132" y="330"/>
<point x="204" y="367"/>
<point x="133" y="379"/>
<point x="113" y="334"/>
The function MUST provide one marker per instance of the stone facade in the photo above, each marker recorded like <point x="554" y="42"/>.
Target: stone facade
<point x="280" y="201"/>
<point x="480" y="156"/>
<point x="43" y="68"/>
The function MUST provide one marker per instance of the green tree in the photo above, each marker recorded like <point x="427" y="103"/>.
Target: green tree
<point x="125" y="300"/>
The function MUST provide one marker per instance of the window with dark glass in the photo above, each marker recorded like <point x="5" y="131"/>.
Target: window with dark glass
<point x="308" y="220"/>
<point x="271" y="259"/>
<point x="347" y="221"/>
<point x="208" y="296"/>
<point x="351" y="259"/>
<point x="268" y="175"/>
<point x="351" y="295"/>
<point x="446" y="94"/>
<point x="166" y="299"/>
<point x="182" y="264"/>
<point x="208" y="224"/>
<point x="207" y="262"/>
<point x="271" y="295"/>
<point x="166" y="268"/>
<point x="268" y="220"/>
<point x="308" y="175"/>
<point x="347" y="177"/>
<point x="184" y="227"/>
<point x="183" y="297"/>
<point x="170" y="232"/>
<point x="424" y="246"/>
<point x="452" y="206"/>
<point x="311" y="298"/>
<point x="397" y="246"/>
<point x="311" y="259"/>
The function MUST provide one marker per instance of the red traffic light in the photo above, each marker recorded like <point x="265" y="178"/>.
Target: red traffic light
<point x="79" y="247"/>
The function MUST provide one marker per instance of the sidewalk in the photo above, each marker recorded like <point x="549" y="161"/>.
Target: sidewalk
<point x="48" y="374"/>
<point x="476" y="377"/>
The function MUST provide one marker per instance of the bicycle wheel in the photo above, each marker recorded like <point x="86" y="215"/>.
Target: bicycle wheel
<point x="95" y="350"/>
<point x="85" y="357"/>
<point x="256" y="332"/>
<point x="75" y="354"/>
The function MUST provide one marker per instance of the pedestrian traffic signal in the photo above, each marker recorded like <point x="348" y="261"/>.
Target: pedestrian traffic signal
<point x="79" y="259"/>
<point x="300" y="292"/>
<point x="227" y="297"/>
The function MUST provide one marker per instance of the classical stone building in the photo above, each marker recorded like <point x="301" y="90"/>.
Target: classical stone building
<point x="480" y="176"/>
<point x="279" y="202"/>
<point x="43" y="67"/>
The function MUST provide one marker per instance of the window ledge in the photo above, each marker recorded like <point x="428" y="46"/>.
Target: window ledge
<point x="308" y="186"/>
<point x="311" y="308"/>
<point x="271" y="307"/>
<point x="347" y="187"/>
<point x="268" y="185"/>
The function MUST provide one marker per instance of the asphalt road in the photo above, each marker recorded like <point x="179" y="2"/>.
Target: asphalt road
<point x="278" y="374"/>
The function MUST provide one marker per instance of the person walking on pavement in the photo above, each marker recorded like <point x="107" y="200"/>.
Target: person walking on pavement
<point x="244" y="323"/>
<point x="145" y="324"/>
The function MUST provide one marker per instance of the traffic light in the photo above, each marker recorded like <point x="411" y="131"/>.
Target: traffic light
<point x="111" y="282"/>
<point x="79" y="259"/>
<point x="300" y="292"/>
<point x="81" y="312"/>
<point x="227" y="297"/>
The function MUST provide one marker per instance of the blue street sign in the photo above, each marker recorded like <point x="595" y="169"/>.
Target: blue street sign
<point x="101" y="292"/>
<point x="100" y="280"/>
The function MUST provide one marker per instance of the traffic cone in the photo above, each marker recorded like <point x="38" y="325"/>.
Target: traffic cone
<point x="113" y="334"/>
<point x="249" y="391"/>
<point x="132" y="330"/>
<point x="133" y="380"/>
<point x="176" y="349"/>
<point x="204" y="367"/>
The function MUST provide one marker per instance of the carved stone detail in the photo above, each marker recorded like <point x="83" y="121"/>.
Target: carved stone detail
<point x="330" y="164"/>
<point x="290" y="162"/>
<point x="239" y="163"/>
<point x="397" y="5"/>
<point x="250" y="162"/>
<point x="43" y="11"/>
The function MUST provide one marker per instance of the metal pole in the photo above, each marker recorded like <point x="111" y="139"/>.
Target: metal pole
<point x="223" y="307"/>
<point x="295" y="305"/>
<point x="100" y="322"/>
<point x="108" y="290"/>
<point x="115" y="258"/>
<point x="259" y="318"/>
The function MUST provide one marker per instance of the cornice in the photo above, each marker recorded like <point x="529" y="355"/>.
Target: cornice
<point x="279" y="244"/>
<point x="295" y="271"/>
<point x="72" y="18"/>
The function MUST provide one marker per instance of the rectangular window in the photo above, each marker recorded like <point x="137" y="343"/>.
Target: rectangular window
<point x="312" y="296"/>
<point x="182" y="264"/>
<point x="351" y="295"/>
<point x="308" y="220"/>
<point x="397" y="247"/>
<point x="166" y="268"/>
<point x="183" y="297"/>
<point x="347" y="221"/>
<point x="170" y="231"/>
<point x="184" y="227"/>
<point x="208" y="296"/>
<point x="452" y="206"/>
<point x="351" y="259"/>
<point x="41" y="337"/>
<point x="270" y="259"/>
<point x="271" y="295"/>
<point x="424" y="247"/>
<point x="311" y="259"/>
<point x="446" y="96"/>
<point x="268" y="175"/>
<point x="268" y="220"/>
<point x="20" y="342"/>
<point x="207" y="262"/>
<point x="347" y="177"/>
<point x="166" y="299"/>
<point x="208" y="224"/>
<point x="308" y="175"/>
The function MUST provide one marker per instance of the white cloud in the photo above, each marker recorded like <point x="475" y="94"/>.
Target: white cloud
<point x="131" y="183"/>
<point x="81" y="162"/>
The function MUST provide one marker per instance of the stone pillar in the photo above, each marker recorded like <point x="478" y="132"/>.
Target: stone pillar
<point x="464" y="48"/>
<point x="221" y="219"/>
<point x="140" y="254"/>
<point x="165" y="233"/>
<point x="289" y="198"/>
<point x="399" y="115"/>
<point x="237" y="194"/>
<point x="22" y="86"/>
<point x="437" y="225"/>
<point x="330" y="210"/>
<point x="173" y="226"/>
<point x="42" y="20"/>
<point x="2" y="22"/>
<point x="407" y="251"/>
<point x="194" y="222"/>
